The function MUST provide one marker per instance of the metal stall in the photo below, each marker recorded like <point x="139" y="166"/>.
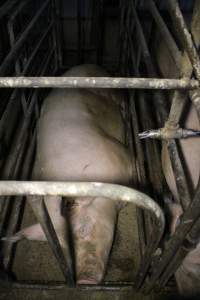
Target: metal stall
<point x="24" y="68"/>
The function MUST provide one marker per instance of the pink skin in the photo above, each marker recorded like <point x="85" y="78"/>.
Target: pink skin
<point x="188" y="274"/>
<point x="81" y="138"/>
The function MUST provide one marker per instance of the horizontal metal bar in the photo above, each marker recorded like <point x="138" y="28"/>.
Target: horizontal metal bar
<point x="84" y="189"/>
<point x="105" y="286"/>
<point x="81" y="189"/>
<point x="97" y="82"/>
<point x="88" y="189"/>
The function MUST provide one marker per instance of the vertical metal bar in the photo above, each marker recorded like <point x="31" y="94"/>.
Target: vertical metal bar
<point x="17" y="63"/>
<point x="170" y="43"/>
<point x="16" y="216"/>
<point x="55" y="41"/>
<point x="184" y="35"/>
<point x="79" y="36"/>
<point x="178" y="104"/>
<point x="63" y="256"/>
<point x="192" y="239"/>
<point x="147" y="257"/>
<point x="100" y="34"/>
<point x="59" y="31"/>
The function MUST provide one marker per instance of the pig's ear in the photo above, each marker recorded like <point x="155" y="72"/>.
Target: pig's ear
<point x="33" y="233"/>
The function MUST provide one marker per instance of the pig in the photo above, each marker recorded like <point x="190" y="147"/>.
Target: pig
<point x="81" y="137"/>
<point x="188" y="274"/>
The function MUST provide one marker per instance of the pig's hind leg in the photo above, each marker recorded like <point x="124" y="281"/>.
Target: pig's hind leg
<point x="35" y="232"/>
<point x="92" y="223"/>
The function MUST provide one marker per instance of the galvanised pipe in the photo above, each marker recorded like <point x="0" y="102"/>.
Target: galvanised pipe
<point x="84" y="189"/>
<point x="78" y="189"/>
<point x="98" y="82"/>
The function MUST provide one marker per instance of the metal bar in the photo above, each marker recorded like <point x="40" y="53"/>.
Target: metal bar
<point x="152" y="151"/>
<point x="175" y="112"/>
<point x="8" y="171"/>
<point x="171" y="44"/>
<point x="9" y="167"/>
<point x="16" y="218"/>
<point x="97" y="82"/>
<point x="105" y="286"/>
<point x="37" y="47"/>
<point x="83" y="189"/>
<point x="177" y="107"/>
<point x="100" y="34"/>
<point x="142" y="217"/>
<point x="58" y="25"/>
<point x="189" y="218"/>
<point x="62" y="255"/>
<point x="79" y="31"/>
<point x="172" y="264"/>
<point x="140" y="172"/>
<point x="20" y="42"/>
<point x="184" y="35"/>
<point x="86" y="189"/>
<point x="179" y="99"/>
<point x="181" y="182"/>
<point x="20" y="6"/>
<point x="192" y="239"/>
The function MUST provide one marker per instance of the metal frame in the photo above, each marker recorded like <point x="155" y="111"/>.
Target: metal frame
<point x="186" y="236"/>
<point x="163" y="267"/>
<point x="20" y="150"/>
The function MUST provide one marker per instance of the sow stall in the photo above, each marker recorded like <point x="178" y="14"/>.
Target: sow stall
<point x="31" y="62"/>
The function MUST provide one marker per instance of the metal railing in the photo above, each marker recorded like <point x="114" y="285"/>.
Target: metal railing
<point x="180" y="244"/>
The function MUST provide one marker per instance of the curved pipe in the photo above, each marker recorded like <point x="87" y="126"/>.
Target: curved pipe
<point x="87" y="189"/>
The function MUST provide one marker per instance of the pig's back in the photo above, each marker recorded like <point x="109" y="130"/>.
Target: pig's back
<point x="80" y="137"/>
